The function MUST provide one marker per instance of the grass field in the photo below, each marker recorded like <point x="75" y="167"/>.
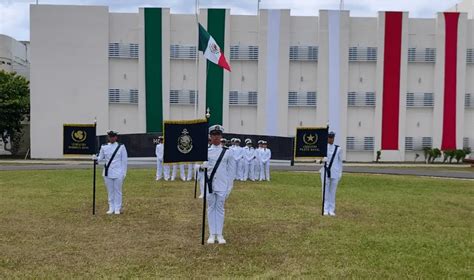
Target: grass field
<point x="386" y="227"/>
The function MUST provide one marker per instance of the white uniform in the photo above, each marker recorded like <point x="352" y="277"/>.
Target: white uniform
<point x="249" y="161"/>
<point x="116" y="173"/>
<point x="182" y="172"/>
<point x="258" y="163"/>
<point x="222" y="184"/>
<point x="237" y="151"/>
<point x="191" y="172"/>
<point x="265" y="156"/>
<point x="159" y="161"/>
<point x="331" y="183"/>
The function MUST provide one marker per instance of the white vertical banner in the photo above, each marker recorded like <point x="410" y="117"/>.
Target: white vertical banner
<point x="334" y="27"/>
<point x="273" y="50"/>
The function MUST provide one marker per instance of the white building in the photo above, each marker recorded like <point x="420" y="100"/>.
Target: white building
<point x="389" y="83"/>
<point x="14" y="56"/>
<point x="464" y="6"/>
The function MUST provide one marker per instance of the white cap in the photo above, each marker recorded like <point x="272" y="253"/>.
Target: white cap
<point x="216" y="127"/>
<point x="248" y="141"/>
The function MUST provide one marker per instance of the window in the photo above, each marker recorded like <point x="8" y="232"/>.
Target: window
<point x="244" y="52"/>
<point x="422" y="55"/>
<point x="420" y="99"/>
<point x="183" y="97"/>
<point x="362" y="54"/>
<point x="182" y="52"/>
<point x="468" y="101"/>
<point x="243" y="98"/>
<point x="418" y="143"/>
<point x="361" y="99"/>
<point x="123" y="50"/>
<point x="302" y="99"/>
<point x="304" y="53"/>
<point x="123" y="96"/>
<point x="470" y="55"/>
<point x="360" y="144"/>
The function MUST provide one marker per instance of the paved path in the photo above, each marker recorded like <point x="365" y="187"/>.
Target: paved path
<point x="436" y="170"/>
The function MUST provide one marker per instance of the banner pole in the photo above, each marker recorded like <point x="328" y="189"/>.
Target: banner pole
<point x="94" y="170"/>
<point x="204" y="207"/>
<point x="195" y="183"/>
<point x="324" y="189"/>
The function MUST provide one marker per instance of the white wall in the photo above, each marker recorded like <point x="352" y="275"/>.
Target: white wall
<point x="69" y="72"/>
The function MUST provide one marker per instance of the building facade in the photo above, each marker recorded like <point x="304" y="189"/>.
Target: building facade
<point x="389" y="83"/>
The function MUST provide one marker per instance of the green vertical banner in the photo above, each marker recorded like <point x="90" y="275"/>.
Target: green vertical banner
<point x="153" y="70"/>
<point x="215" y="74"/>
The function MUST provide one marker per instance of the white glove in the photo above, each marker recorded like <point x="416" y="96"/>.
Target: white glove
<point x="205" y="165"/>
<point x="323" y="160"/>
<point x="94" y="157"/>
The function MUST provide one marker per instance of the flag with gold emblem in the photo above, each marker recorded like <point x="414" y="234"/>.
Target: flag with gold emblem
<point x="79" y="139"/>
<point x="311" y="142"/>
<point x="185" y="141"/>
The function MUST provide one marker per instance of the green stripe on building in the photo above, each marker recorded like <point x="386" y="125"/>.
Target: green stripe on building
<point x="153" y="70"/>
<point x="215" y="74"/>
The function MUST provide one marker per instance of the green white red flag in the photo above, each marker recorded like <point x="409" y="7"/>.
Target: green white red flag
<point x="211" y="50"/>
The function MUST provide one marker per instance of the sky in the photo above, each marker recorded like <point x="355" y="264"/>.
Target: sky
<point x="14" y="14"/>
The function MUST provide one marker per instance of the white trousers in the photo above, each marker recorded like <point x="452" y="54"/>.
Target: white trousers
<point x="249" y="170"/>
<point x="159" y="169"/>
<point x="261" y="173"/>
<point x="166" y="171"/>
<point x="114" y="192"/>
<point x="216" y="211"/>
<point x="265" y="171"/>
<point x="182" y="173"/>
<point x="330" y="196"/>
<point x="191" y="172"/>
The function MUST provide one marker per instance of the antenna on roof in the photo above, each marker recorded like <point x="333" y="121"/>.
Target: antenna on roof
<point x="341" y="5"/>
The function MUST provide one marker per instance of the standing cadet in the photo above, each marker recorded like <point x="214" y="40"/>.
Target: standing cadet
<point x="249" y="161"/>
<point x="159" y="158"/>
<point x="220" y="173"/>
<point x="114" y="155"/>
<point x="238" y="154"/>
<point x="333" y="174"/>
<point x="265" y="156"/>
<point x="258" y="161"/>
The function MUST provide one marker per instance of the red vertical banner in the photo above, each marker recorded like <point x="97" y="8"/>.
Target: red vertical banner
<point x="448" y="141"/>
<point x="391" y="80"/>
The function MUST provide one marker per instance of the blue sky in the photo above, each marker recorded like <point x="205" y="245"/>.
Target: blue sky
<point x="14" y="14"/>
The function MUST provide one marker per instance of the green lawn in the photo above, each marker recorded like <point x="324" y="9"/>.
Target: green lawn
<point x="386" y="227"/>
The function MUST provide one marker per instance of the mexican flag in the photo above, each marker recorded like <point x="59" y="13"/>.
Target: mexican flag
<point x="211" y="50"/>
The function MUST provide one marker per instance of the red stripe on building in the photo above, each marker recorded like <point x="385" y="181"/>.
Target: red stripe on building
<point x="448" y="141"/>
<point x="391" y="80"/>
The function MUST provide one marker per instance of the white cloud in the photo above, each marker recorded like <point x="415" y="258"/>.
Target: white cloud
<point x="14" y="14"/>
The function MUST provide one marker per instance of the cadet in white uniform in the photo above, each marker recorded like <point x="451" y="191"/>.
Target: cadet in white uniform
<point x="159" y="158"/>
<point x="258" y="161"/>
<point x="182" y="173"/>
<point x="221" y="182"/>
<point x="238" y="155"/>
<point x="333" y="164"/>
<point x="265" y="156"/>
<point x="249" y="161"/>
<point x="115" y="170"/>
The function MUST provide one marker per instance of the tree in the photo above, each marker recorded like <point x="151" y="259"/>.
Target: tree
<point x="14" y="107"/>
<point x="436" y="154"/>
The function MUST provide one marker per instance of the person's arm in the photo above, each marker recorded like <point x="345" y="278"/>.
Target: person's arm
<point x="231" y="167"/>
<point x="124" y="160"/>
<point x="101" y="154"/>
<point x="157" y="150"/>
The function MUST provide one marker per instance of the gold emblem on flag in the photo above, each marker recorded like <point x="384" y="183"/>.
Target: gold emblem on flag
<point x="185" y="142"/>
<point x="310" y="139"/>
<point x="78" y="136"/>
<point x="214" y="48"/>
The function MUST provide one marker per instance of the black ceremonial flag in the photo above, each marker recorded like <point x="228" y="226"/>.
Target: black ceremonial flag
<point x="79" y="139"/>
<point x="185" y="141"/>
<point x="311" y="142"/>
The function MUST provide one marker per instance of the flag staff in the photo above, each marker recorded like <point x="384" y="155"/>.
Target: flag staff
<point x="324" y="182"/>
<point x="94" y="169"/>
<point x="196" y="93"/>
<point x="203" y="230"/>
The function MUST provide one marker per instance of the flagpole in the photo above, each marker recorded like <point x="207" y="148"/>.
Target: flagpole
<point x="196" y="94"/>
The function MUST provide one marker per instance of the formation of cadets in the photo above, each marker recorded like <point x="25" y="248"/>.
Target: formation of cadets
<point x="252" y="164"/>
